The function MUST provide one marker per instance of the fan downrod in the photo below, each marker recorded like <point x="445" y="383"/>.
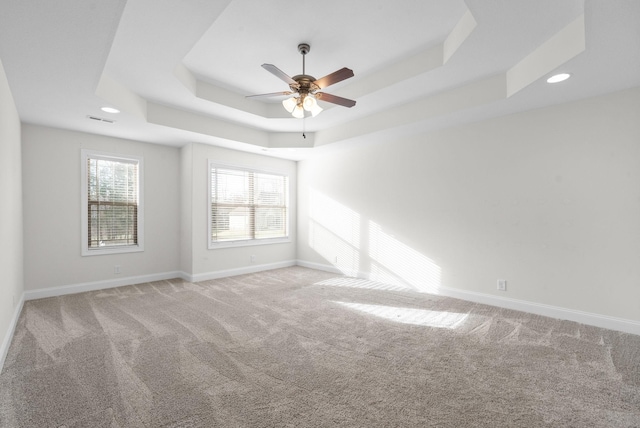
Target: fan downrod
<point x="304" y="83"/>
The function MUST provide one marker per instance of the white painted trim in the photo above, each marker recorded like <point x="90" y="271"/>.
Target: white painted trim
<point x="589" y="318"/>
<point x="214" y="164"/>
<point x="323" y="267"/>
<point x="596" y="320"/>
<point x="335" y="269"/>
<point x="246" y="242"/>
<point x="98" y="285"/>
<point x="238" y="271"/>
<point x="6" y="342"/>
<point x="131" y="280"/>
<point x="86" y="154"/>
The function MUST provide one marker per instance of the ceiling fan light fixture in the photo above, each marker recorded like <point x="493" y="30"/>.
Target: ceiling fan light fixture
<point x="316" y="109"/>
<point x="309" y="102"/>
<point x="298" y="112"/>
<point x="304" y="87"/>
<point x="290" y="104"/>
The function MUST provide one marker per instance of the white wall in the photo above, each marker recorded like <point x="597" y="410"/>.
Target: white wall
<point x="204" y="263"/>
<point x="11" y="284"/>
<point x="175" y="218"/>
<point x="51" y="183"/>
<point x="548" y="200"/>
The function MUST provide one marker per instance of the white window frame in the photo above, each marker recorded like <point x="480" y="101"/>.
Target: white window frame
<point x="212" y="163"/>
<point x="84" y="215"/>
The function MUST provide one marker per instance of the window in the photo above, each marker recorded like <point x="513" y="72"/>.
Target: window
<point x="247" y="207"/>
<point x="111" y="203"/>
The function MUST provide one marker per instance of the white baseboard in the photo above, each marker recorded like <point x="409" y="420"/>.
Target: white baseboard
<point x="237" y="271"/>
<point x="6" y="342"/>
<point x="596" y="320"/>
<point x="131" y="280"/>
<point x="318" y="266"/>
<point x="98" y="285"/>
<point x="589" y="318"/>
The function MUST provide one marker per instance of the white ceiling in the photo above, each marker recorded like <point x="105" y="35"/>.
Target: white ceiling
<point x="179" y="71"/>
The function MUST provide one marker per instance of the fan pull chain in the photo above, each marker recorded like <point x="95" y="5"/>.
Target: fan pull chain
<point x="304" y="122"/>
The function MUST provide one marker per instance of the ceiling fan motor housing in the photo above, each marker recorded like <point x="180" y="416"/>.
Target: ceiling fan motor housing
<point x="304" y="84"/>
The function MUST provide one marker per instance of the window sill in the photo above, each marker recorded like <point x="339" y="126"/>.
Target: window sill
<point x="112" y="250"/>
<point x="248" y="243"/>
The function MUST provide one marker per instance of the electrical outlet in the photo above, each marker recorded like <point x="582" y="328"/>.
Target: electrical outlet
<point x="116" y="269"/>
<point x="502" y="284"/>
<point x="252" y="258"/>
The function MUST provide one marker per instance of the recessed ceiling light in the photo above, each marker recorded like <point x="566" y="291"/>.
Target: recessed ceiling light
<point x="110" y="110"/>
<point x="558" y="78"/>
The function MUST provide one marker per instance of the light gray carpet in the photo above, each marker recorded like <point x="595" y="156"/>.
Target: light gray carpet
<point x="296" y="347"/>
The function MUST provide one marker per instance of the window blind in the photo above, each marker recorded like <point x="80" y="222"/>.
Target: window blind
<point x="247" y="205"/>
<point x="112" y="202"/>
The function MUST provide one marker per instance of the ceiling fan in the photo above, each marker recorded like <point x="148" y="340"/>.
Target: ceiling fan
<point x="306" y="89"/>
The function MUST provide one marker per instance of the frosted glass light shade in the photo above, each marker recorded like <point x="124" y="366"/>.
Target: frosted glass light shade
<point x="309" y="102"/>
<point x="289" y="104"/>
<point x="316" y="109"/>
<point x="297" y="108"/>
<point x="298" y="112"/>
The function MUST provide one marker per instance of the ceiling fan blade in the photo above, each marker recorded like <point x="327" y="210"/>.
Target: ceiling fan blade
<point x="272" y="94"/>
<point x="345" y="102"/>
<point x="279" y="73"/>
<point x="335" y="77"/>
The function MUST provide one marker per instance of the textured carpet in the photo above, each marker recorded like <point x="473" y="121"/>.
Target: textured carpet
<point x="297" y="347"/>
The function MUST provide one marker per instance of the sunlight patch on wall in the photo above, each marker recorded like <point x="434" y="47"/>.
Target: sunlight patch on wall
<point x="423" y="317"/>
<point x="335" y="250"/>
<point x="334" y="232"/>
<point x="363" y="284"/>
<point x="395" y="262"/>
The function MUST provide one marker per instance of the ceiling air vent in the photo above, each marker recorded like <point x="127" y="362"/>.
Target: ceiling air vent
<point x="100" y="119"/>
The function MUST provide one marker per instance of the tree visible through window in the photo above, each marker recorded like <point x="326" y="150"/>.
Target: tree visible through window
<point x="247" y="205"/>
<point x="112" y="203"/>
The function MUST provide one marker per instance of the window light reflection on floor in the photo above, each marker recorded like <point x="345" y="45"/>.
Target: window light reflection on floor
<point x="363" y="284"/>
<point x="423" y="317"/>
